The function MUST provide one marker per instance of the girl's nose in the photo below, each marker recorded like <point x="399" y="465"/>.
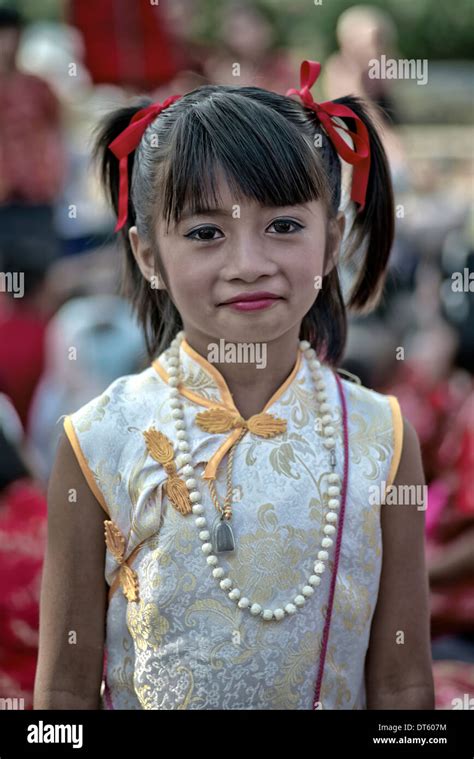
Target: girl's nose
<point x="247" y="259"/>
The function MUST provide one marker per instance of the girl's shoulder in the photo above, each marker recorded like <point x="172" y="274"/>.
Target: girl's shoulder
<point x="123" y="398"/>
<point x="363" y="399"/>
<point x="374" y="420"/>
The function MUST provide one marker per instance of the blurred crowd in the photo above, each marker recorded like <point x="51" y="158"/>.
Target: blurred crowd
<point x="66" y="333"/>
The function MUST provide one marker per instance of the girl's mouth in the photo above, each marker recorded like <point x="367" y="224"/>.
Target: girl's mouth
<point x="252" y="305"/>
<point x="252" y="301"/>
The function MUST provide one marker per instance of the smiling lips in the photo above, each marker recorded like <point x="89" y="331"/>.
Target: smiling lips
<point x="251" y="301"/>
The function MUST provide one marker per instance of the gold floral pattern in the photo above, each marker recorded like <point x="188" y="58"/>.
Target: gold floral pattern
<point x="182" y="644"/>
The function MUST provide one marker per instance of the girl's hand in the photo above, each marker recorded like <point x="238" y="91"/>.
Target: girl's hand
<point x="398" y="664"/>
<point x="73" y="592"/>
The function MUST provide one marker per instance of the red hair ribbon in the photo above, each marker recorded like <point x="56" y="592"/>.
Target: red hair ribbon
<point x="126" y="142"/>
<point x="359" y="156"/>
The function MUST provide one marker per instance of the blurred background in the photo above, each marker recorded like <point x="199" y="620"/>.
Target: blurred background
<point x="65" y="333"/>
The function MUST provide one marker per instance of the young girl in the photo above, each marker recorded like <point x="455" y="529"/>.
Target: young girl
<point x="249" y="562"/>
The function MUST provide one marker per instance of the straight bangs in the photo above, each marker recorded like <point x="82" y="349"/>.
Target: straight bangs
<point x="263" y="156"/>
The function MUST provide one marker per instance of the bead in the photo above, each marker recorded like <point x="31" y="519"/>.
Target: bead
<point x="327" y="419"/>
<point x="187" y="470"/>
<point x="320" y="385"/>
<point x="173" y="382"/>
<point x="321" y="397"/>
<point x="279" y="614"/>
<point x="331" y="516"/>
<point x="180" y="424"/>
<point x="310" y="353"/>
<point x="226" y="584"/>
<point x="319" y="567"/>
<point x="300" y="600"/>
<point x="181" y="435"/>
<point x="177" y="413"/>
<point x="329" y="431"/>
<point x="304" y="345"/>
<point x="198" y="508"/>
<point x="329" y="529"/>
<point x="290" y="608"/>
<point x="200" y="521"/>
<point x="218" y="572"/>
<point x="333" y="478"/>
<point x="323" y="555"/>
<point x="267" y="614"/>
<point x="255" y="609"/>
<point x="195" y="496"/>
<point x="329" y="443"/>
<point x="212" y="560"/>
<point x="183" y="458"/>
<point x="314" y="580"/>
<point x="191" y="483"/>
<point x="334" y="503"/>
<point x="326" y="542"/>
<point x="308" y="590"/>
<point x="204" y="534"/>
<point x="206" y="548"/>
<point x="334" y="490"/>
<point x="324" y="408"/>
<point x="183" y="446"/>
<point x="174" y="392"/>
<point x="234" y="594"/>
<point x="244" y="603"/>
<point x="175" y="403"/>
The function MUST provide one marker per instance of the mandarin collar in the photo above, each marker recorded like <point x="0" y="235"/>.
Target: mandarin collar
<point x="203" y="384"/>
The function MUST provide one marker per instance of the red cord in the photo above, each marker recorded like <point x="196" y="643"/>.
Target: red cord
<point x="324" y="643"/>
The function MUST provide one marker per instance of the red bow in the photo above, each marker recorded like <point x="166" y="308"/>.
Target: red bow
<point x="359" y="157"/>
<point x="126" y="142"/>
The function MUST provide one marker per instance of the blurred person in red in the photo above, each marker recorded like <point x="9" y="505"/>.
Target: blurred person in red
<point x="130" y="44"/>
<point x="22" y="545"/>
<point x="248" y="36"/>
<point x="32" y="158"/>
<point x="24" y="313"/>
<point x="437" y="396"/>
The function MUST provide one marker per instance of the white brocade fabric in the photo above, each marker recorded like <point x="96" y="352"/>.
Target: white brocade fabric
<point x="185" y="644"/>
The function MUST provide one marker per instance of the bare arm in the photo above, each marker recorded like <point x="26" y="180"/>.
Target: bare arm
<point x="73" y="592"/>
<point x="399" y="674"/>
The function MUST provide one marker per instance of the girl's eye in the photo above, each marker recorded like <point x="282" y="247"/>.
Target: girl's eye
<point x="205" y="234"/>
<point x="282" y="225"/>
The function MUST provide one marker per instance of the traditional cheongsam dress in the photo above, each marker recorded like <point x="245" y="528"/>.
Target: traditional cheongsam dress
<point x="174" y="639"/>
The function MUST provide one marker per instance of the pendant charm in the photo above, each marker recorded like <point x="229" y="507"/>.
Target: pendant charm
<point x="222" y="536"/>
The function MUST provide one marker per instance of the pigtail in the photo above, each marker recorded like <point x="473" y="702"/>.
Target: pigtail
<point x="108" y="165"/>
<point x="374" y="227"/>
<point x="155" y="311"/>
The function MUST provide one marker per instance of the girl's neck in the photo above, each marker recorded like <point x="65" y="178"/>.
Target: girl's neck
<point x="251" y="382"/>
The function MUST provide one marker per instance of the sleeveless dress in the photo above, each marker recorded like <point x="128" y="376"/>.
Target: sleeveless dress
<point x="174" y="640"/>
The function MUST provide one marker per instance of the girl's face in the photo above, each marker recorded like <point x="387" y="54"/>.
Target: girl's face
<point x="243" y="248"/>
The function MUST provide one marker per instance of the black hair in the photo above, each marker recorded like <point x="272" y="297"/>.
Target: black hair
<point x="272" y="150"/>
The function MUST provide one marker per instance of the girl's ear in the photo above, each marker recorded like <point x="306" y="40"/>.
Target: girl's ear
<point x="335" y="234"/>
<point x="145" y="258"/>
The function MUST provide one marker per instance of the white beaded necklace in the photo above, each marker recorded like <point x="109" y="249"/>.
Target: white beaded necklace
<point x="334" y="490"/>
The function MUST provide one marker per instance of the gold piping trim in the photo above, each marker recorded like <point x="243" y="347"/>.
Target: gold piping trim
<point x="81" y="460"/>
<point x="398" y="438"/>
